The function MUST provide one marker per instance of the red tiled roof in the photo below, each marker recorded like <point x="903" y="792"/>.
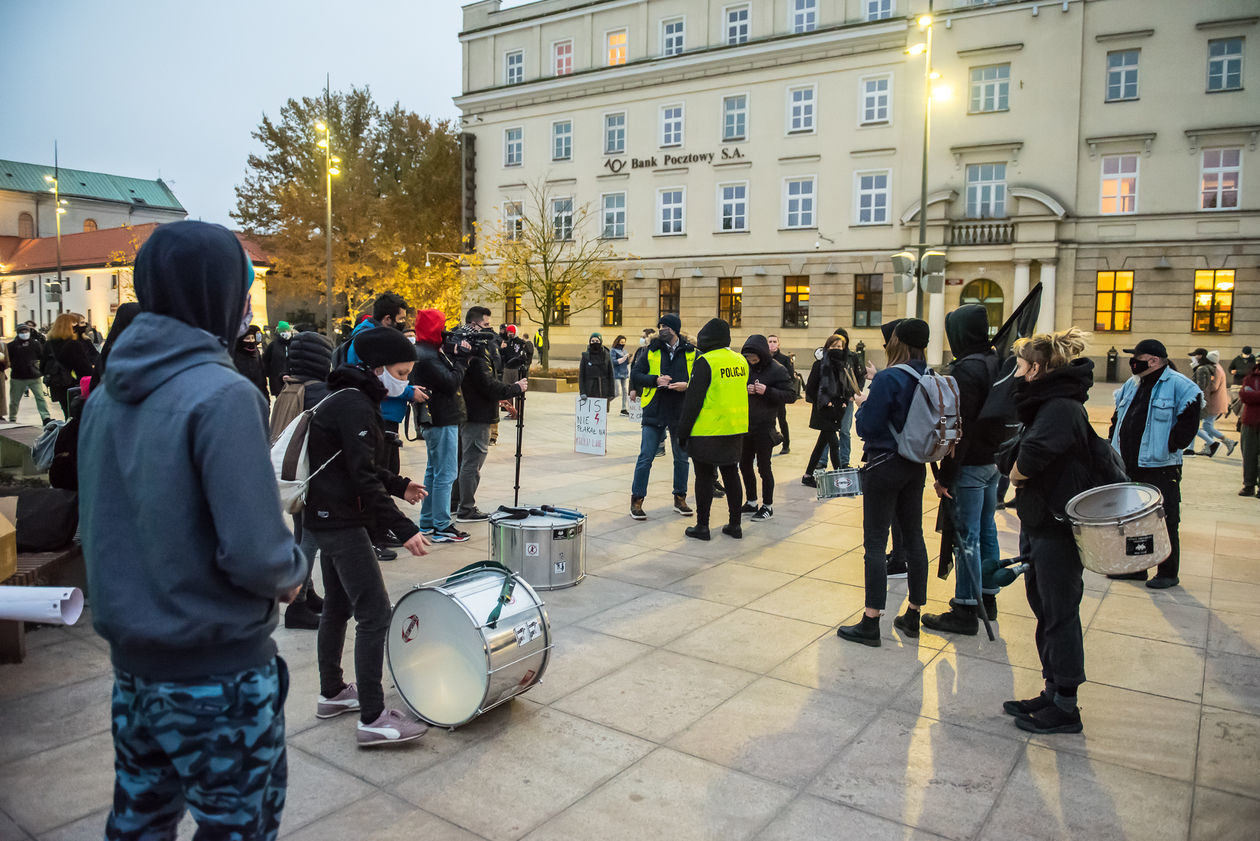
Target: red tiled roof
<point x="91" y="249"/>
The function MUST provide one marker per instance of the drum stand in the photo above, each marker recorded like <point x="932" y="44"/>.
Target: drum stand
<point x="520" y="433"/>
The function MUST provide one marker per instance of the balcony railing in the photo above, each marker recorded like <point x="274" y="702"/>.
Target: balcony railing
<point x="982" y="233"/>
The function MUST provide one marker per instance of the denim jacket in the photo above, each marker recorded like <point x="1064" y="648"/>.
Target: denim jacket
<point x="1172" y="393"/>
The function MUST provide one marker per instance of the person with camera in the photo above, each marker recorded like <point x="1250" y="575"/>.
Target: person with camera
<point x="441" y="362"/>
<point x="661" y="375"/>
<point x="769" y="391"/>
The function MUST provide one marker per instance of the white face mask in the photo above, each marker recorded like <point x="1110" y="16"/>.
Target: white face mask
<point x="411" y="339"/>
<point x="286" y="335"/>
<point x="394" y="387"/>
<point x="24" y="336"/>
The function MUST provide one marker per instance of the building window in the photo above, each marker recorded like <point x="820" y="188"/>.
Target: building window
<point x="730" y="300"/>
<point x="1119" y="184"/>
<point x="1213" y="301"/>
<point x="733" y="206"/>
<point x="65" y="283"/>
<point x="87" y="286"/>
<point x="513" y="146"/>
<point x="614" y="205"/>
<point x="990" y="88"/>
<point x="872" y="197"/>
<point x="876" y="100"/>
<point x="32" y="290"/>
<point x="562" y="218"/>
<point x="1218" y="183"/>
<point x="26" y="226"/>
<point x="1113" y="302"/>
<point x="673" y="36"/>
<point x="801" y="109"/>
<point x="513" y="221"/>
<point x="798" y="202"/>
<point x="667" y="296"/>
<point x="879" y="9"/>
<point x="612" y="303"/>
<point x="1225" y="64"/>
<point x="986" y="191"/>
<point x="868" y="300"/>
<point x="562" y="140"/>
<point x="615" y="133"/>
<point x="514" y="67"/>
<point x="987" y="294"/>
<point x="617" y="41"/>
<point x="560" y="315"/>
<point x="671" y="210"/>
<point x="1122" y="75"/>
<point x="804" y="15"/>
<point x="89" y="225"/>
<point x="562" y="52"/>
<point x="796" y="301"/>
<point x="734" y="118"/>
<point x="113" y="281"/>
<point x="671" y="126"/>
<point x="737" y="25"/>
<point x="512" y="307"/>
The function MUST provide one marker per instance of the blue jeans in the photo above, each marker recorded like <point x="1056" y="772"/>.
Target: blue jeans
<point x="653" y="437"/>
<point x="844" y="435"/>
<point x="975" y="532"/>
<point x="442" y="443"/>
<point x="1209" y="433"/>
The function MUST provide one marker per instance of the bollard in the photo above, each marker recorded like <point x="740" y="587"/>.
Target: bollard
<point x="1113" y="365"/>
<point x="861" y="352"/>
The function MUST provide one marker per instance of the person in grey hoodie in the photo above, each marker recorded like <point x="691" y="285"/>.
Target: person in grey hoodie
<point x="185" y="570"/>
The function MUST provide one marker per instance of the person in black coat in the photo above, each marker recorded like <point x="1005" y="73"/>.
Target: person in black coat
<point x="595" y="371"/>
<point x="67" y="357"/>
<point x="830" y="388"/>
<point x="276" y="357"/>
<point x="786" y="361"/>
<point x="24" y="353"/>
<point x="769" y="390"/>
<point x="248" y="361"/>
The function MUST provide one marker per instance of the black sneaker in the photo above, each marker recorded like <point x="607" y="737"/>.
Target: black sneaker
<point x="1051" y="719"/>
<point x="1189" y="451"/>
<point x="299" y="616"/>
<point x="896" y="566"/>
<point x="625" y="412"/>
<point x="809" y="481"/>
<point x="765" y="512"/>
<point x="389" y="540"/>
<point x="450" y="534"/>
<point x="908" y="623"/>
<point x="734" y="530"/>
<point x="383" y="554"/>
<point x="473" y="516"/>
<point x="866" y="631"/>
<point x="1023" y="709"/>
<point x="719" y="492"/>
<point x="959" y="619"/>
<point x="1163" y="582"/>
<point x="749" y="508"/>
<point x="785" y="451"/>
<point x="698" y="532"/>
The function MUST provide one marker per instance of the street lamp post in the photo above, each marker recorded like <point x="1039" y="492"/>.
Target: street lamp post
<point x="54" y="180"/>
<point x="330" y="169"/>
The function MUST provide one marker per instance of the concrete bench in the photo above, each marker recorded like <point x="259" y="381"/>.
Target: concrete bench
<point x="15" y="448"/>
<point x="39" y="569"/>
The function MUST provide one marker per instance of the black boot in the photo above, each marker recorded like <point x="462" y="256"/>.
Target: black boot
<point x="866" y="631"/>
<point x="1023" y="709"/>
<point x="698" y="532"/>
<point x="733" y="530"/>
<point x="314" y="602"/>
<point x="960" y="619"/>
<point x="1053" y="718"/>
<point x="301" y="617"/>
<point x="908" y="622"/>
<point x="990" y="605"/>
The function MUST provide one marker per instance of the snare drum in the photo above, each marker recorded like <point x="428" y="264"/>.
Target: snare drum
<point x="1119" y="528"/>
<point x="847" y="481"/>
<point x="548" y="549"/>
<point x="453" y="655"/>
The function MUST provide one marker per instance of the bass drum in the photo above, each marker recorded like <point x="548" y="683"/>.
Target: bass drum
<point x="1119" y="528"/>
<point x="465" y="644"/>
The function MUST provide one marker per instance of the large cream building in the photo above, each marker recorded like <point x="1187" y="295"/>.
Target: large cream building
<point x="761" y="160"/>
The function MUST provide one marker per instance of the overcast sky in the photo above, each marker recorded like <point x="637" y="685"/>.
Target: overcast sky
<point x="174" y="87"/>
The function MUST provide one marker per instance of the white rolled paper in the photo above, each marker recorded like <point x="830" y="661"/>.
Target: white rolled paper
<point x="50" y="605"/>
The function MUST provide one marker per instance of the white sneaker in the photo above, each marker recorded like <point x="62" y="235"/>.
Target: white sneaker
<point x="391" y="728"/>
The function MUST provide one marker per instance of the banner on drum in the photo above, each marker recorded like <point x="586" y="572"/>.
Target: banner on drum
<point x="636" y="409"/>
<point x="591" y="426"/>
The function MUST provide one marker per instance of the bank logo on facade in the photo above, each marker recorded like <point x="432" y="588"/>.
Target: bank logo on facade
<point x="725" y="154"/>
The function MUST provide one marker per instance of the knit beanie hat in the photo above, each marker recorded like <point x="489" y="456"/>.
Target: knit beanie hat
<point x="913" y="332"/>
<point x="888" y="328"/>
<point x="383" y="346"/>
<point x="671" y="321"/>
<point x="281" y="326"/>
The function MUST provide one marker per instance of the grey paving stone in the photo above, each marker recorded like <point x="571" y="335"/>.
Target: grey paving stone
<point x="1229" y="742"/>
<point x="1219" y="816"/>
<point x="813" y="817"/>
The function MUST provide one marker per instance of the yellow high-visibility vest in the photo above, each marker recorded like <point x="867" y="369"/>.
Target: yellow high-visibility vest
<point x="725" y="409"/>
<point x="654" y="368"/>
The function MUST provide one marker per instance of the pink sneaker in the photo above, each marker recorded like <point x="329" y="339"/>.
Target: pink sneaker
<point x="391" y="728"/>
<point x="345" y="701"/>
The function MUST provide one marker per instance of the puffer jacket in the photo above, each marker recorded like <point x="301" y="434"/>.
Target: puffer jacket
<point x="310" y="362"/>
<point x="763" y="409"/>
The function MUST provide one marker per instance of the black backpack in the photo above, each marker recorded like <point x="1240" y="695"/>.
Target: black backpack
<point x="998" y="423"/>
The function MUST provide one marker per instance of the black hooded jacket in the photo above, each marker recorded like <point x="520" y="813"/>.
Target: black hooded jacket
<point x="275" y="360"/>
<point x="483" y="387"/>
<point x="309" y="359"/>
<point x="763" y="409"/>
<point x="974" y="369"/>
<point x="709" y="449"/>
<point x="830" y="389"/>
<point x="24" y="356"/>
<point x="249" y="363"/>
<point x="442" y="377"/>
<point x="595" y="372"/>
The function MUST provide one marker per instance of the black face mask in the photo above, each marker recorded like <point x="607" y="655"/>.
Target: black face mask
<point x="1137" y="366"/>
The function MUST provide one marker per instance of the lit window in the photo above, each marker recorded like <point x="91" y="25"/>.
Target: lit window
<point x="733" y="206"/>
<point x="1225" y="57"/>
<point x="514" y="67"/>
<point x="986" y="191"/>
<point x="876" y="100"/>
<point x="562" y="218"/>
<point x="615" y="133"/>
<point x="563" y="58"/>
<point x="89" y="225"/>
<point x="562" y="140"/>
<point x="513" y="223"/>
<point x="734" y="118"/>
<point x="512" y="306"/>
<point x="614" y="215"/>
<point x="801" y="109"/>
<point x="990" y="88"/>
<point x="879" y="9"/>
<point x="1119" y="184"/>
<point x="617" y="41"/>
<point x="672" y="125"/>
<point x="560" y="315"/>
<point x="804" y="15"/>
<point x="1122" y="75"/>
<point x="671" y="204"/>
<point x="673" y="36"/>
<point x="513" y="146"/>
<point x="1213" y="301"/>
<point x="868" y="300"/>
<point x="1218" y="184"/>
<point x="737" y="25"/>
<point x="612" y="303"/>
<point x="730" y="300"/>
<point x="796" y="301"/>
<point x="668" y="293"/>
<point x="872" y="197"/>
<point x="1113" y="302"/>
<point x="798" y="202"/>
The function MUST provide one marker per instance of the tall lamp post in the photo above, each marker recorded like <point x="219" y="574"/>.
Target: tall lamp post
<point x="61" y="209"/>
<point x="330" y="169"/>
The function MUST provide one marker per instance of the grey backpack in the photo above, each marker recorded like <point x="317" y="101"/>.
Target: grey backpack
<point x="933" y="426"/>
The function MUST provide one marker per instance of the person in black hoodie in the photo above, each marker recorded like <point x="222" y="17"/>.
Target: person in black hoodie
<point x="1050" y="465"/>
<point x="275" y="358"/>
<point x="248" y="361"/>
<point x="24" y="353"/>
<point x="969" y="475"/>
<point x="831" y="387"/>
<point x="349" y="497"/>
<point x="595" y="371"/>
<point x="769" y="390"/>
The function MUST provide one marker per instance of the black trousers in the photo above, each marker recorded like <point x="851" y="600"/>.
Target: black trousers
<point x="892" y="491"/>
<point x="1054" y="587"/>
<point x="757" y="446"/>
<point x="783" y="427"/>
<point x="1168" y="480"/>
<point x="828" y="440"/>
<point x="353" y="587"/>
<point x="706" y="474"/>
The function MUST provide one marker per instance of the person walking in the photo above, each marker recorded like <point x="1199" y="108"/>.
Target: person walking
<point x="1157" y="413"/>
<point x="786" y="361"/>
<point x="25" y="377"/>
<point x="187" y="552"/>
<point x="892" y="488"/>
<point x="1249" y="427"/>
<point x="769" y="390"/>
<point x="621" y="371"/>
<point x="275" y="358"/>
<point x="1210" y="378"/>
<point x="661" y="375"/>
<point x="713" y="423"/>
<point x="67" y="356"/>
<point x="830" y="388"/>
<point x="440" y="373"/>
<point x="595" y="371"/>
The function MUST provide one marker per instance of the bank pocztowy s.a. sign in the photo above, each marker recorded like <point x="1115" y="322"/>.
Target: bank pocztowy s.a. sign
<point x="727" y="153"/>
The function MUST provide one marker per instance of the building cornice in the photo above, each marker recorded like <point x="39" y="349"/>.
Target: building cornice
<point x="1228" y="23"/>
<point x="996" y="48"/>
<point x="1124" y="36"/>
<point x="1146" y="138"/>
<point x="1195" y="135"/>
<point x="1012" y="147"/>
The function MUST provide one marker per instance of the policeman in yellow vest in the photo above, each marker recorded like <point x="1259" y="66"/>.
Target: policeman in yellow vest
<point x="661" y="376"/>
<point x="714" y="422"/>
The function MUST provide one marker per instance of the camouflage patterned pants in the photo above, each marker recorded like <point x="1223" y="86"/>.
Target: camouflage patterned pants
<point x="215" y="746"/>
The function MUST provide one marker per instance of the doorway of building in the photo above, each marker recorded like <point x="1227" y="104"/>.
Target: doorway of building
<point x="989" y="295"/>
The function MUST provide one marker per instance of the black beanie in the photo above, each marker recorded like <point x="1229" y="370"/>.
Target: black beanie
<point x="671" y="321"/>
<point x="713" y="335"/>
<point x="913" y="332"/>
<point x="888" y="328"/>
<point x="383" y="346"/>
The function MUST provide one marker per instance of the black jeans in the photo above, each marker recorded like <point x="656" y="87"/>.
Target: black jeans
<point x="1054" y="587"/>
<point x="353" y="586"/>
<point x="757" y="446"/>
<point x="706" y="474"/>
<point x="828" y="441"/>
<point x="892" y="491"/>
<point x="783" y="427"/>
<point x="1168" y="480"/>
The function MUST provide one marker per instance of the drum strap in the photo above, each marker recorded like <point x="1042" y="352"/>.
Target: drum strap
<point x="505" y="594"/>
